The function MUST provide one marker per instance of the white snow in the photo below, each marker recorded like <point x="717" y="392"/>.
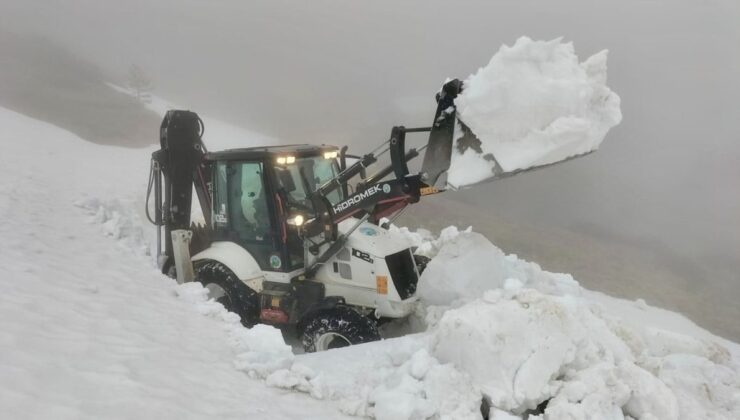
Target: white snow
<point x="90" y="329"/>
<point x="525" y="335"/>
<point x="533" y="104"/>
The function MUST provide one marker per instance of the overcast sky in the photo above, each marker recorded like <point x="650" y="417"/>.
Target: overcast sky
<point x="346" y="71"/>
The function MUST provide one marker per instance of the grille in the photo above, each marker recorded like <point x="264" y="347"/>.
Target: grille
<point x="403" y="272"/>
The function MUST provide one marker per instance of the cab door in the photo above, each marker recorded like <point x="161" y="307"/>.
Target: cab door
<point x="241" y="212"/>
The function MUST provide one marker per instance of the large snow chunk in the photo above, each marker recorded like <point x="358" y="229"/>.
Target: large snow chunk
<point x="464" y="267"/>
<point x="465" y="264"/>
<point x="705" y="390"/>
<point x="533" y="104"/>
<point x="519" y="346"/>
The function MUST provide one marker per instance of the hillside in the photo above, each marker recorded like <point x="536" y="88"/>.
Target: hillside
<point x="41" y="79"/>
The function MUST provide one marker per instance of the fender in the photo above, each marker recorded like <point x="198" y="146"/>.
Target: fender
<point x="237" y="259"/>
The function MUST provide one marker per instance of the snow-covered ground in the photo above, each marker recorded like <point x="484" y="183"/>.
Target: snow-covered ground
<point x="90" y="329"/>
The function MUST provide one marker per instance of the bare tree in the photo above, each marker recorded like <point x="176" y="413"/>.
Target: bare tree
<point x="140" y="84"/>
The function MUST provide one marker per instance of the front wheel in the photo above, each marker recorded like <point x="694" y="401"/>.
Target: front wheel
<point x="224" y="287"/>
<point x="338" y="327"/>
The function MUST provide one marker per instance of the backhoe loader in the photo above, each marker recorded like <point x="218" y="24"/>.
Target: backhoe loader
<point x="293" y="234"/>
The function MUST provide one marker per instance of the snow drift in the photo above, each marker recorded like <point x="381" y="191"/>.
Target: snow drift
<point x="533" y="104"/>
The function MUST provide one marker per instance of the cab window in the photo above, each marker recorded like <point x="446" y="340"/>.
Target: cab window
<point x="297" y="180"/>
<point x="249" y="212"/>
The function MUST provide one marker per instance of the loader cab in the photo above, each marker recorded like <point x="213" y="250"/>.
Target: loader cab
<point x="257" y="194"/>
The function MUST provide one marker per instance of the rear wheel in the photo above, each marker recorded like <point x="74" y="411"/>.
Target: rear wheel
<point x="224" y="287"/>
<point x="338" y="327"/>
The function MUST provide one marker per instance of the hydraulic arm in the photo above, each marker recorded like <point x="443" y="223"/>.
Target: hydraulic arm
<point x="179" y="166"/>
<point x="377" y="198"/>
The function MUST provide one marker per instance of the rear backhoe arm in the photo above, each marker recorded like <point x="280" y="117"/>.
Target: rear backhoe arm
<point x="179" y="166"/>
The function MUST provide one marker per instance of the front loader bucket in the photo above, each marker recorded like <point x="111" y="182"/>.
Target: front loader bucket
<point x="448" y="132"/>
<point x="438" y="154"/>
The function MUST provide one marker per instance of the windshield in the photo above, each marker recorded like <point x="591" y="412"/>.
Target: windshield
<point x="297" y="180"/>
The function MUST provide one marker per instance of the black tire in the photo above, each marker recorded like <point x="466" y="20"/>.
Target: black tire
<point x="338" y="327"/>
<point x="168" y="268"/>
<point x="228" y="290"/>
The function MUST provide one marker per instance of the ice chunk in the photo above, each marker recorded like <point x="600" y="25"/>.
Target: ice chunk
<point x="533" y="104"/>
<point x="451" y="274"/>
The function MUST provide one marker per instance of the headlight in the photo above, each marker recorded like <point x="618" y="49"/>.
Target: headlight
<point x="296" y="220"/>
<point x="283" y="160"/>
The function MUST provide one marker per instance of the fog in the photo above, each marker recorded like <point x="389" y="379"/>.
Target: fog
<point x="666" y="182"/>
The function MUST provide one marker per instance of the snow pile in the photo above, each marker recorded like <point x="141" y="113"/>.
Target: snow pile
<point x="546" y="347"/>
<point x="393" y="380"/>
<point x="260" y="350"/>
<point x="533" y="104"/>
<point x="534" y="338"/>
<point x="562" y="351"/>
<point x="465" y="264"/>
<point x="120" y="221"/>
<point x="423" y="388"/>
<point x="530" y="339"/>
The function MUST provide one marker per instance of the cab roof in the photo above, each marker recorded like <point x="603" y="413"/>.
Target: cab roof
<point x="263" y="152"/>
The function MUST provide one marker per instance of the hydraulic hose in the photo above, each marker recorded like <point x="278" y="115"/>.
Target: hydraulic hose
<point x="148" y="195"/>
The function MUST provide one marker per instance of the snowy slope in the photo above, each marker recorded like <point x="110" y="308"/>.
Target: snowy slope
<point x="90" y="329"/>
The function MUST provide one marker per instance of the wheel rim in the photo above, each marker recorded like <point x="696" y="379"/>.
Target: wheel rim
<point x="217" y="293"/>
<point x="331" y="340"/>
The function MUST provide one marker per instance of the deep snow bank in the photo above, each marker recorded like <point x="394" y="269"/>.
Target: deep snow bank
<point x="533" y="104"/>
<point x="89" y="329"/>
